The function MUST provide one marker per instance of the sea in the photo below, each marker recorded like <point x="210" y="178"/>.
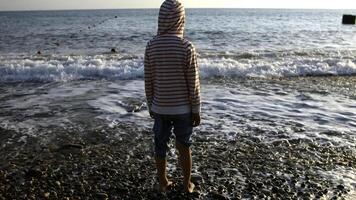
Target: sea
<point x="271" y="74"/>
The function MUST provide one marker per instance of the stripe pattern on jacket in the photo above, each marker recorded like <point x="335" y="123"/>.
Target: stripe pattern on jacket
<point x="171" y="71"/>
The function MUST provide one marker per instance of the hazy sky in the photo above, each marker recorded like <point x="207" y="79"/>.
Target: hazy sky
<point x="112" y="4"/>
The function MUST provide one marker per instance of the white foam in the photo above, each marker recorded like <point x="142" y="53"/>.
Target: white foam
<point x="115" y="108"/>
<point x="342" y="175"/>
<point x="275" y="68"/>
<point x="67" y="68"/>
<point x="228" y="111"/>
<point x="124" y="67"/>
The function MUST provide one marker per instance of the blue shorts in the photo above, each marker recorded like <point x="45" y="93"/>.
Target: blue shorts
<point x="162" y="128"/>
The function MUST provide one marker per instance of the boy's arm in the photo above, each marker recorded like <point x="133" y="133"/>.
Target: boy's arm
<point x="148" y="79"/>
<point x="193" y="80"/>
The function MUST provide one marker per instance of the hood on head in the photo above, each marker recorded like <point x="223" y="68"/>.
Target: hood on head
<point x="171" y="18"/>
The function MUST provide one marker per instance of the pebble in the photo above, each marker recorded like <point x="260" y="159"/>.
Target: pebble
<point x="46" y="195"/>
<point x="2" y="175"/>
<point x="58" y="183"/>
<point x="340" y="187"/>
<point x="54" y="194"/>
<point x="275" y="190"/>
<point x="106" y="173"/>
<point x="196" y="178"/>
<point x="101" y="196"/>
<point x="218" y="196"/>
<point x="72" y="146"/>
<point x="36" y="173"/>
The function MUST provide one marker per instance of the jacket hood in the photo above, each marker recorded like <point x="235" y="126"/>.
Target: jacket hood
<point x="171" y="18"/>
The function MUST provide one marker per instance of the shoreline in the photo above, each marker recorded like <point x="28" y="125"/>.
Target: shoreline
<point x="55" y="146"/>
<point x="101" y="165"/>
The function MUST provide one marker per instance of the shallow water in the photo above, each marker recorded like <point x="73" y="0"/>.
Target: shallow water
<point x="264" y="108"/>
<point x="280" y="111"/>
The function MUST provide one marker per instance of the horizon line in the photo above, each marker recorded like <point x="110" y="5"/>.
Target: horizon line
<point x="154" y="8"/>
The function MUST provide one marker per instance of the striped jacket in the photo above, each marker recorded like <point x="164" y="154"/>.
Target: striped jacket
<point x="172" y="83"/>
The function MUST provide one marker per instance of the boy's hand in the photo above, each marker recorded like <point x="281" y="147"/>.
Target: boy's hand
<point x="196" y="119"/>
<point x="151" y="114"/>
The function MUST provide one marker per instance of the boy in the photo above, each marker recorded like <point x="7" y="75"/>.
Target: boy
<point x="172" y="90"/>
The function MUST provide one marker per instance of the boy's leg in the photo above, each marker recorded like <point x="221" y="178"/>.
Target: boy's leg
<point x="162" y="130"/>
<point x="185" y="159"/>
<point x="183" y="130"/>
<point x="161" y="165"/>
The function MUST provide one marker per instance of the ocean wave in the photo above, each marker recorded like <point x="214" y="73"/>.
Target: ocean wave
<point x="69" y="68"/>
<point x="275" y="54"/>
<point x="49" y="68"/>
<point x="277" y="68"/>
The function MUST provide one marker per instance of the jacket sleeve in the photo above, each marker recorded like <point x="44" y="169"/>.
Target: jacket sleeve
<point x="148" y="73"/>
<point x="193" y="82"/>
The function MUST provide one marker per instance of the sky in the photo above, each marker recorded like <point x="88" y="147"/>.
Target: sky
<point x="115" y="4"/>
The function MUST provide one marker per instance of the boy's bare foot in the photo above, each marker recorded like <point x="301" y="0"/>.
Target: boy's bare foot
<point x="165" y="187"/>
<point x="190" y="188"/>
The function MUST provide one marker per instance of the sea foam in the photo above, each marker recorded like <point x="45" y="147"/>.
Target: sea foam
<point x="48" y="68"/>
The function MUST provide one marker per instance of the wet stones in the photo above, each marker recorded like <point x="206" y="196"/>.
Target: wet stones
<point x="196" y="178"/>
<point x="46" y="195"/>
<point x="2" y="175"/>
<point x="284" y="143"/>
<point x="217" y="196"/>
<point x="71" y="148"/>
<point x="133" y="105"/>
<point x="101" y="196"/>
<point x="340" y="187"/>
<point x="58" y="184"/>
<point x="298" y="129"/>
<point x="123" y="169"/>
<point x="34" y="173"/>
